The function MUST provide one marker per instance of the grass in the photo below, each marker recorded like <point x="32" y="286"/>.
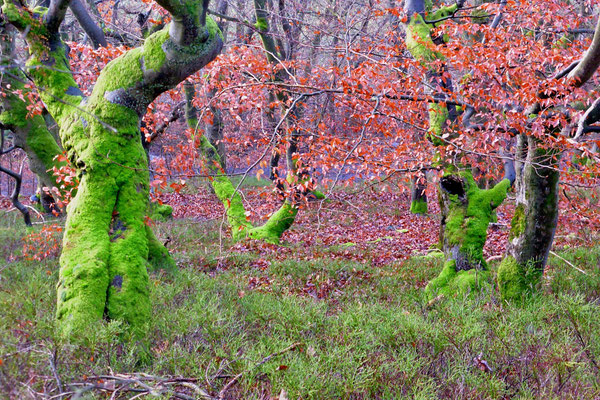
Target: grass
<point x="360" y="331"/>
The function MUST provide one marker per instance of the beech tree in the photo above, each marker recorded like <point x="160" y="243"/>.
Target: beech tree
<point x="28" y="122"/>
<point x="466" y="210"/>
<point x="107" y="244"/>
<point x="535" y="220"/>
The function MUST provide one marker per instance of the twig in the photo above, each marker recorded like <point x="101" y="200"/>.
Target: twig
<point x="53" y="358"/>
<point x="568" y="262"/>
<point x="264" y="360"/>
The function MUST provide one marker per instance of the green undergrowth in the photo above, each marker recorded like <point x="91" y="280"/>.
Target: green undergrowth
<point x="363" y="332"/>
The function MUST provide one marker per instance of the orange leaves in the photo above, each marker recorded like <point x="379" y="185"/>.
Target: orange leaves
<point x="67" y="180"/>
<point x="44" y="244"/>
<point x="178" y="186"/>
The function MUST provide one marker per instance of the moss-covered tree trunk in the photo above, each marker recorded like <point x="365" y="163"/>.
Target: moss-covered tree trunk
<point x="466" y="209"/>
<point x="106" y="242"/>
<point x="231" y="199"/>
<point x="418" y="195"/>
<point x="534" y="222"/>
<point x="420" y="44"/>
<point x="466" y="212"/>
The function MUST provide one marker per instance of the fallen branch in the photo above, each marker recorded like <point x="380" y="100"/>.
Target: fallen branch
<point x="140" y="384"/>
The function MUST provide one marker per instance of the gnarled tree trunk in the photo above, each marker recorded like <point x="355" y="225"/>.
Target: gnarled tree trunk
<point x="239" y="224"/>
<point x="106" y="244"/>
<point x="466" y="211"/>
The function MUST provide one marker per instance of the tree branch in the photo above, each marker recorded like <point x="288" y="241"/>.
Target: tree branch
<point x="590" y="61"/>
<point x="88" y="24"/>
<point x="55" y="15"/>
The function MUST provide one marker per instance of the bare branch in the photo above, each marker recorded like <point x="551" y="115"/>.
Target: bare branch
<point x="88" y="24"/>
<point x="590" y="61"/>
<point x="591" y="116"/>
<point x="56" y="15"/>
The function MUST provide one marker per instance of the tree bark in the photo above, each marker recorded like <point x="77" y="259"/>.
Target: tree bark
<point x="418" y="196"/>
<point x="534" y="223"/>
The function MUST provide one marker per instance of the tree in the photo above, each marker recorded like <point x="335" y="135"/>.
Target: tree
<point x="466" y="210"/>
<point x="20" y="116"/>
<point x="534" y="223"/>
<point x="107" y="243"/>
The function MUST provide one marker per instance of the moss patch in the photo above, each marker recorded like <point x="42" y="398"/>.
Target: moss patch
<point x="517" y="224"/>
<point x="451" y="282"/>
<point x="418" y="207"/>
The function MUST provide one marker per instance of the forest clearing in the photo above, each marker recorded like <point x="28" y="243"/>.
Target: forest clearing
<point x="324" y="199"/>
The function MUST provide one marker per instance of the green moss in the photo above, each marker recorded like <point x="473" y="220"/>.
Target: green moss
<point x="128" y="296"/>
<point x="418" y="35"/>
<point x="517" y="224"/>
<point x="517" y="281"/>
<point x="465" y="233"/>
<point x="58" y="89"/>
<point x="153" y="54"/>
<point x="225" y="191"/>
<point x="451" y="282"/>
<point x="261" y="24"/>
<point x="318" y="194"/>
<point x="234" y="207"/>
<point x="83" y="279"/>
<point x="438" y="115"/>
<point x="442" y="12"/>
<point x="419" y="42"/>
<point x="563" y="42"/>
<point x="161" y="212"/>
<point x="278" y="223"/>
<point x="510" y="279"/>
<point x="466" y="227"/>
<point x="418" y="207"/>
<point x="241" y="228"/>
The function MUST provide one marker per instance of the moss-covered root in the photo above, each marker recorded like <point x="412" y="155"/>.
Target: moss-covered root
<point x="128" y="292"/>
<point x="160" y="212"/>
<point x="278" y="223"/>
<point x="83" y="278"/>
<point x="450" y="281"/>
<point x="158" y="255"/>
<point x="418" y="207"/>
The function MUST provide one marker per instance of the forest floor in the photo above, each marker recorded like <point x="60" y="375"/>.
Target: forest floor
<point x="336" y="311"/>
